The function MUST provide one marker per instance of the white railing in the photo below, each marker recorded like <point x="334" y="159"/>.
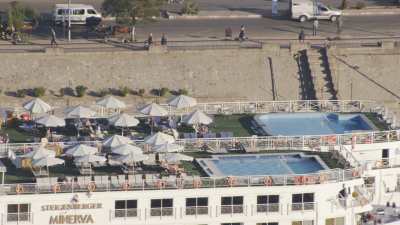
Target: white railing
<point x="249" y="144"/>
<point x="323" y="176"/>
<point x="240" y="107"/>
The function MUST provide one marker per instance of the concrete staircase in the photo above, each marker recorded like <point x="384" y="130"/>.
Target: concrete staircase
<point x="306" y="85"/>
<point x="321" y="74"/>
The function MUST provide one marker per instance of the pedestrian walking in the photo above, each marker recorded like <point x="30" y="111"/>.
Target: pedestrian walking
<point x="302" y="36"/>
<point x="163" y="39"/>
<point x="242" y="35"/>
<point x="315" y="27"/>
<point x="339" y="25"/>
<point x="53" y="41"/>
<point x="150" y="39"/>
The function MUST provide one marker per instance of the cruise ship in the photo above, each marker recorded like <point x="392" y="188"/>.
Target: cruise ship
<point x="306" y="163"/>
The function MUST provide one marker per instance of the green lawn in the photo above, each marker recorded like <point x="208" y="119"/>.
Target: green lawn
<point x="373" y="117"/>
<point x="16" y="135"/>
<point x="239" y="124"/>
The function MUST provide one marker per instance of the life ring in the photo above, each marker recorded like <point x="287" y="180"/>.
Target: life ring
<point x="379" y="164"/>
<point x="56" y="188"/>
<point x="355" y="173"/>
<point x="267" y="181"/>
<point x="332" y="139"/>
<point x="197" y="183"/>
<point x="231" y="181"/>
<point x="309" y="180"/>
<point x="19" y="189"/>
<point x="91" y="187"/>
<point x="160" y="184"/>
<point x="298" y="180"/>
<point x="125" y="186"/>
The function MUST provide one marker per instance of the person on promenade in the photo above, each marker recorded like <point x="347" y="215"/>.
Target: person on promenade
<point x="339" y="25"/>
<point x="242" y="35"/>
<point x="150" y="39"/>
<point x="302" y="36"/>
<point x="53" y="41"/>
<point x="315" y="27"/>
<point x="163" y="39"/>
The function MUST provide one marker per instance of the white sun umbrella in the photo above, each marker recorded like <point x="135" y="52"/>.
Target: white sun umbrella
<point x="123" y="120"/>
<point x="47" y="161"/>
<point x="90" y="159"/>
<point x="131" y="158"/>
<point x="127" y="149"/>
<point x="37" y="106"/>
<point x="153" y="109"/>
<point x="81" y="150"/>
<point x="116" y="140"/>
<point x="197" y="117"/>
<point x="159" y="138"/>
<point x="174" y="158"/>
<point x="111" y="102"/>
<point x="50" y="121"/>
<point x="182" y="101"/>
<point x="39" y="153"/>
<point x="168" y="147"/>
<point x="79" y="112"/>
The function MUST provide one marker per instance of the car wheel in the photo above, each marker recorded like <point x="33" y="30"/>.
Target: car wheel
<point x="334" y="18"/>
<point x="303" y="19"/>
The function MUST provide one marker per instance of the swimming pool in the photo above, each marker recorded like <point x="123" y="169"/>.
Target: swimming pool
<point x="261" y="164"/>
<point x="312" y="123"/>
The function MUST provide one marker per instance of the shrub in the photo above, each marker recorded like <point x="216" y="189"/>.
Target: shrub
<point x="38" y="91"/>
<point x="141" y="92"/>
<point x="21" y="93"/>
<point x="360" y="5"/>
<point x="343" y="5"/>
<point x="190" y="8"/>
<point x="183" y="91"/>
<point x="164" y="91"/>
<point x="124" y="91"/>
<point x="80" y="90"/>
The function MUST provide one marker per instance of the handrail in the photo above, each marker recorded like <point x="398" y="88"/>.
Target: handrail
<point x="323" y="176"/>
<point x="250" y="144"/>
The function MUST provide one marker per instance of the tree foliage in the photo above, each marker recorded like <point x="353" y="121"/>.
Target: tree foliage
<point x="129" y="11"/>
<point x="18" y="14"/>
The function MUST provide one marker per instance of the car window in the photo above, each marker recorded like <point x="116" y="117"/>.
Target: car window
<point x="91" y="11"/>
<point x="321" y="8"/>
<point x="62" y="12"/>
<point x="79" y="12"/>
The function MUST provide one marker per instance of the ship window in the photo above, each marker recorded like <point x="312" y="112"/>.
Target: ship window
<point x="232" y="204"/>
<point x="196" y="206"/>
<point x="304" y="222"/>
<point x="161" y="207"/>
<point x="303" y="201"/>
<point x="335" y="221"/>
<point x="126" y="208"/>
<point x="268" y="203"/>
<point x="18" y="212"/>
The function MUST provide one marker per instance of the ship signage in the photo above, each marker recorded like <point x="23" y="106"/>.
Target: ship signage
<point x="71" y="218"/>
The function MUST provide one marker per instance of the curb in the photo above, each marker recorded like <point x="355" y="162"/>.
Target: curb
<point x="368" y="12"/>
<point x="215" y="17"/>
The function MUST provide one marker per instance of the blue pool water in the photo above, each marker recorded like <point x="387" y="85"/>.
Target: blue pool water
<point x="312" y="123"/>
<point x="267" y="164"/>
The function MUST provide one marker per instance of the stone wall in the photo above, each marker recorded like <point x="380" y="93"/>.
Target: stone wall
<point x="233" y="73"/>
<point x="369" y="73"/>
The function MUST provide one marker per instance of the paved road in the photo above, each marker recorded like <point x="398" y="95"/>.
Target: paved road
<point x="362" y="26"/>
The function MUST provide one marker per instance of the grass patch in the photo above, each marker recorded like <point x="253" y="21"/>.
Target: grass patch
<point x="375" y="119"/>
<point x="17" y="136"/>
<point x="239" y="124"/>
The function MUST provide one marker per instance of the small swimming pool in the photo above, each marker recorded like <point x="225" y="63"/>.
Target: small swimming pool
<point x="288" y="124"/>
<point x="261" y="164"/>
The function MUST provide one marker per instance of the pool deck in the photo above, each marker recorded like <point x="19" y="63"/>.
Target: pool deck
<point x="210" y="168"/>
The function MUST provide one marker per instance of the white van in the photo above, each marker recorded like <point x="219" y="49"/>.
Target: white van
<point x="79" y="13"/>
<point x="304" y="10"/>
